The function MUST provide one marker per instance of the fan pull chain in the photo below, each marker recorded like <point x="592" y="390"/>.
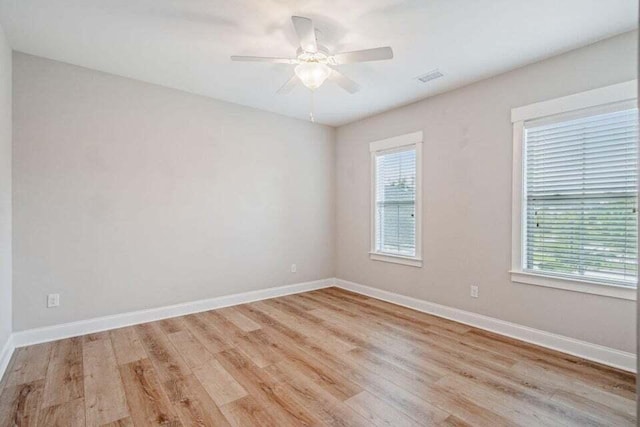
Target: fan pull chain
<point x="312" y="108"/>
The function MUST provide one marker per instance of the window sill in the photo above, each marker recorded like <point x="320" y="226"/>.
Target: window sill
<point x="396" y="259"/>
<point x="575" y="285"/>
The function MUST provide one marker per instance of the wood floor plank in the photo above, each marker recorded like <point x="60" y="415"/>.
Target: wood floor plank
<point x="343" y="333"/>
<point x="416" y="322"/>
<point x="67" y="414"/>
<point x="297" y="312"/>
<point x="172" y="325"/>
<point x="169" y="364"/>
<point x="368" y="332"/>
<point x="266" y="390"/>
<point x="316" y="400"/>
<point x="482" y="372"/>
<point x="390" y="347"/>
<point x="302" y="302"/>
<point x="246" y="412"/>
<point x="322" y="337"/>
<point x="393" y="311"/>
<point x="291" y="346"/>
<point x="373" y="381"/>
<point x="239" y="319"/>
<point x="257" y="347"/>
<point x="325" y="357"/>
<point x="444" y="362"/>
<point x="20" y="404"/>
<point x="30" y="365"/>
<point x="518" y="405"/>
<point x="127" y="345"/>
<point x="149" y="404"/>
<point x="335" y="383"/>
<point x="221" y="386"/>
<point x="65" y="375"/>
<point x="453" y="421"/>
<point x="407" y="397"/>
<point x="564" y="382"/>
<point x="378" y="412"/>
<point x="381" y="332"/>
<point x="610" y="379"/>
<point x="104" y="395"/>
<point x="227" y="332"/>
<point x="409" y="379"/>
<point x="443" y="356"/>
<point x="252" y="344"/>
<point x="191" y="350"/>
<point x="600" y="411"/>
<point x="267" y="321"/>
<point x="124" y="422"/>
<point x="206" y="333"/>
<point x="104" y="335"/>
<point x="400" y="318"/>
<point x="194" y="405"/>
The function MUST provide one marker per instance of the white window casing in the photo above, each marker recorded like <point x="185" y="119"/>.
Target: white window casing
<point x="574" y="195"/>
<point x="396" y="200"/>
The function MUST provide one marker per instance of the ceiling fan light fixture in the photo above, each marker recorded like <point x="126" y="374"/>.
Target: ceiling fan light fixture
<point x="315" y="63"/>
<point x="312" y="74"/>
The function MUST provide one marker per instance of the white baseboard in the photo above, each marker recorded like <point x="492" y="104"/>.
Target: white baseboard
<point x="99" y="324"/>
<point x="5" y="354"/>
<point x="597" y="353"/>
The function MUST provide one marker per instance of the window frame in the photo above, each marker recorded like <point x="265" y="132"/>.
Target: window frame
<point x="618" y="93"/>
<point x="401" y="141"/>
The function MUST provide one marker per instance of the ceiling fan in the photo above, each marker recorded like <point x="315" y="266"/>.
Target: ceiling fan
<point x="315" y="64"/>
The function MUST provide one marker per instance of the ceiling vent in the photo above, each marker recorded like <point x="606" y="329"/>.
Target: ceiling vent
<point x="431" y="75"/>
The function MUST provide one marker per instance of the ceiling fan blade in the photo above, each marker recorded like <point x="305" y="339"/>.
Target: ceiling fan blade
<point x="343" y="81"/>
<point x="264" y="59"/>
<point x="289" y="85"/>
<point x="306" y="33"/>
<point x="376" y="54"/>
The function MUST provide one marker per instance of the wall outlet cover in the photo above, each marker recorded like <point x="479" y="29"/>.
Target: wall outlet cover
<point x="474" y="291"/>
<point x="53" y="300"/>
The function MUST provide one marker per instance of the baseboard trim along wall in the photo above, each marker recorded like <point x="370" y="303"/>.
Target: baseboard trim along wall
<point x="99" y="324"/>
<point x="5" y="354"/>
<point x="605" y="355"/>
<point x="596" y="353"/>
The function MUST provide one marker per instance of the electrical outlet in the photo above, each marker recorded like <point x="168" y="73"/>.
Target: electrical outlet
<point x="294" y="268"/>
<point x="474" y="291"/>
<point x="53" y="300"/>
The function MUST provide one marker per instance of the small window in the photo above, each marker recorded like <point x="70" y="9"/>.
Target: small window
<point x="396" y="199"/>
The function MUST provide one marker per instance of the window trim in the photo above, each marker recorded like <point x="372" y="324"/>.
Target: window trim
<point x="415" y="138"/>
<point x="626" y="91"/>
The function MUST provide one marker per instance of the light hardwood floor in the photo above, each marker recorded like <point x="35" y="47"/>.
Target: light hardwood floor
<point x="326" y="357"/>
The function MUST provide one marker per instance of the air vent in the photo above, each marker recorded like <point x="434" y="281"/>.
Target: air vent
<point x="431" y="75"/>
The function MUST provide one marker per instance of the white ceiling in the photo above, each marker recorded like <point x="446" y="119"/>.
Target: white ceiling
<point x="186" y="44"/>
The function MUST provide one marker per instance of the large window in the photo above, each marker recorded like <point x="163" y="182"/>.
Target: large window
<point x="581" y="195"/>
<point x="396" y="199"/>
<point x="578" y="213"/>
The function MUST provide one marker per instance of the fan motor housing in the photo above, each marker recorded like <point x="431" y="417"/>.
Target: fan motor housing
<point x="320" y="56"/>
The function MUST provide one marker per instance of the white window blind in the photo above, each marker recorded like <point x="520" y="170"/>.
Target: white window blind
<point x="395" y="202"/>
<point x="581" y="180"/>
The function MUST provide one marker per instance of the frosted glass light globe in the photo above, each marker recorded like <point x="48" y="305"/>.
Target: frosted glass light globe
<point x="312" y="74"/>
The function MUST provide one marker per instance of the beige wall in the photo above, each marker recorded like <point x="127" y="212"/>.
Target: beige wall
<point x="5" y="190"/>
<point x="467" y="198"/>
<point x="130" y="196"/>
